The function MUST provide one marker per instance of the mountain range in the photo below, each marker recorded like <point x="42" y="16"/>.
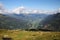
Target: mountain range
<point x="52" y="22"/>
<point x="15" y="21"/>
<point x="21" y="18"/>
<point x="30" y="21"/>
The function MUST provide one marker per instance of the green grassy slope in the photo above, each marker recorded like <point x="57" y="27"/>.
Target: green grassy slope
<point x="30" y="35"/>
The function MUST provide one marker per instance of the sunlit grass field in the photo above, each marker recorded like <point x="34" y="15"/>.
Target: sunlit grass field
<point x="30" y="35"/>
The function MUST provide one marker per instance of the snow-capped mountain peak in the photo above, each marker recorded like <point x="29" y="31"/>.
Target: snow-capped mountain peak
<point x="18" y="10"/>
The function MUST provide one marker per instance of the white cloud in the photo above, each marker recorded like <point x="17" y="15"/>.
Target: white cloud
<point x="18" y="10"/>
<point x="24" y="10"/>
<point x="1" y="5"/>
<point x="56" y="11"/>
<point x="35" y="11"/>
<point x="59" y="10"/>
<point x="2" y="9"/>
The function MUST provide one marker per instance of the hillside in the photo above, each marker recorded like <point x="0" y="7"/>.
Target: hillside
<point x="29" y="35"/>
<point x="20" y="21"/>
<point x="7" y="22"/>
<point x="52" y="22"/>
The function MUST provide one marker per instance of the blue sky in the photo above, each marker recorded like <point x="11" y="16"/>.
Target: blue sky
<point x="32" y="4"/>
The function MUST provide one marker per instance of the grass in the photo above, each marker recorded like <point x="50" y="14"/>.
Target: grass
<point x="30" y="35"/>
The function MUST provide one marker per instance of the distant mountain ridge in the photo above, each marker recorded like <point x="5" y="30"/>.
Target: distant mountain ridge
<point x="7" y="22"/>
<point x="52" y="22"/>
<point x="30" y="21"/>
<point x="20" y="21"/>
